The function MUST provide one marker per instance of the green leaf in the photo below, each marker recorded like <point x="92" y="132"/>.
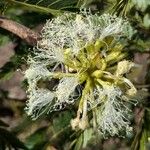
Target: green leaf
<point x="141" y="4"/>
<point x="36" y="139"/>
<point x="84" y="3"/>
<point x="4" y="39"/>
<point x="87" y="136"/>
<point x="84" y="139"/>
<point x="34" y="7"/>
<point x="79" y="143"/>
<point x="45" y="6"/>
<point x="143" y="140"/>
<point x="121" y="7"/>
<point x="62" y="120"/>
<point x="146" y="20"/>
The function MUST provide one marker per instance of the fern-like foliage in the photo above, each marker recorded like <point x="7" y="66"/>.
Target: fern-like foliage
<point x="53" y="7"/>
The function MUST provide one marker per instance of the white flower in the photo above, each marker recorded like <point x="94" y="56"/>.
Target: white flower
<point x="112" y="116"/>
<point x="66" y="32"/>
<point x="34" y="73"/>
<point x="49" y="51"/>
<point x="65" y="88"/>
<point x="80" y="50"/>
<point x="37" y="70"/>
<point x="39" y="101"/>
<point x="101" y="94"/>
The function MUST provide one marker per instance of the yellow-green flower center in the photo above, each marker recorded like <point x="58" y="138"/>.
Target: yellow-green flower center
<point x="94" y="60"/>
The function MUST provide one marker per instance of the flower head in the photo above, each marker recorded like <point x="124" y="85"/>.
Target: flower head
<point x="83" y="50"/>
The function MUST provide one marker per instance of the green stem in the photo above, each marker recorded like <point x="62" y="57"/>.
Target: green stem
<point x="83" y="102"/>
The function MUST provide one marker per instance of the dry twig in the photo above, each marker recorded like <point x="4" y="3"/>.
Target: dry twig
<point x="20" y="30"/>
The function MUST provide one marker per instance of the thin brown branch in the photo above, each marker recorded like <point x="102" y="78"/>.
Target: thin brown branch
<point x="20" y="30"/>
<point x="140" y="121"/>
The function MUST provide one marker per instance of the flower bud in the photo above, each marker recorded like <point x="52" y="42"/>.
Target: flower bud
<point x="83" y="124"/>
<point x="75" y="123"/>
<point x="124" y="67"/>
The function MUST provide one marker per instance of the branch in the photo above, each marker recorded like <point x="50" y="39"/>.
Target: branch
<point x="28" y="35"/>
<point x="135" y="143"/>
